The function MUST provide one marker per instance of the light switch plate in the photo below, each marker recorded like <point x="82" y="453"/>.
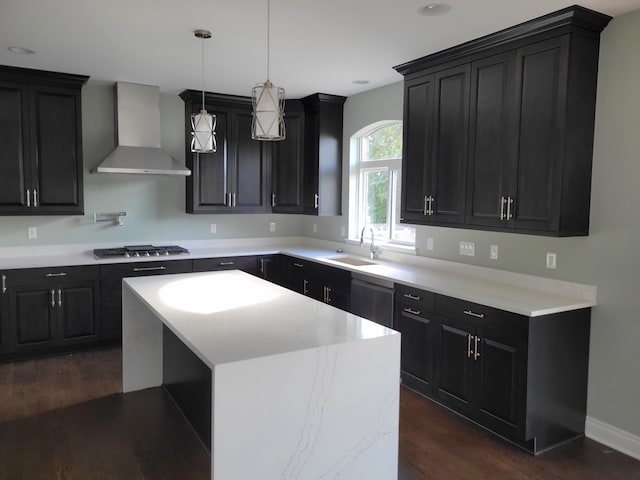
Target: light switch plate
<point x="32" y="233"/>
<point x="552" y="260"/>
<point x="429" y="243"/>
<point x="315" y="228"/>
<point x="468" y="249"/>
<point x="342" y="232"/>
<point x="272" y="227"/>
<point x="214" y="228"/>
<point x="493" y="252"/>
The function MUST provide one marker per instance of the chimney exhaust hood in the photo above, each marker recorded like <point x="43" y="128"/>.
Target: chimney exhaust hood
<point x="138" y="135"/>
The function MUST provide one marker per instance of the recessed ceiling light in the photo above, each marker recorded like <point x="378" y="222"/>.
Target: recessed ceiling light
<point x="23" y="51"/>
<point x="361" y="82"/>
<point x="434" y="9"/>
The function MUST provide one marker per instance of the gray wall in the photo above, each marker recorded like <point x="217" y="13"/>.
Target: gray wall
<point x="606" y="258"/>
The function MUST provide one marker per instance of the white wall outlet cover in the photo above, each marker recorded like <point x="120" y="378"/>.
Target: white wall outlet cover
<point x="272" y="226"/>
<point x="467" y="248"/>
<point x="552" y="260"/>
<point x="342" y="232"/>
<point x="429" y="243"/>
<point x="315" y="228"/>
<point x="214" y="228"/>
<point x="493" y="252"/>
<point x="32" y="233"/>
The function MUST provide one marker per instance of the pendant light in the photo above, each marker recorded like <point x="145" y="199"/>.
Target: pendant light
<point x="268" y="103"/>
<point x="203" y="124"/>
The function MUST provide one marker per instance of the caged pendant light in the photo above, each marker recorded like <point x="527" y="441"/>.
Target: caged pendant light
<point x="203" y="124"/>
<point x="268" y="103"/>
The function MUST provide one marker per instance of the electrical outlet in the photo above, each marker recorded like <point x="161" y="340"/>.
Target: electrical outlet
<point x="493" y="252"/>
<point x="342" y="232"/>
<point x="32" y="233"/>
<point x="214" y="228"/>
<point x="315" y="228"/>
<point x="429" y="243"/>
<point x="272" y="227"/>
<point x="468" y="249"/>
<point x="552" y="259"/>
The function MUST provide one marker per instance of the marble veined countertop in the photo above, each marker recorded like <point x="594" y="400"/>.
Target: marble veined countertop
<point x="523" y="294"/>
<point x="230" y="316"/>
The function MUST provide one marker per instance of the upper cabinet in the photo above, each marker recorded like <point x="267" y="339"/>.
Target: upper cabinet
<point x="235" y="178"/>
<point x="41" y="171"/>
<point x="499" y="130"/>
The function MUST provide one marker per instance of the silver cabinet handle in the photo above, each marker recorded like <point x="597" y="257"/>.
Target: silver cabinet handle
<point x="412" y="297"/>
<point x="476" y="353"/>
<point x="425" y="208"/>
<point x="316" y="200"/>
<point x="412" y="311"/>
<point x="225" y="264"/>
<point x="299" y="265"/>
<point x="4" y="284"/>
<point x="503" y="200"/>
<point x="304" y="286"/>
<point x="469" y="336"/>
<point x="327" y="294"/>
<point x="59" y="297"/>
<point x="28" y="198"/>
<point x="53" y="298"/>
<point x="262" y="265"/>
<point x="233" y="199"/>
<point x="148" y="269"/>
<point x="473" y="314"/>
<point x="430" y="199"/>
<point x="58" y="274"/>
<point x="273" y="200"/>
<point x="509" y="203"/>
<point x="35" y="197"/>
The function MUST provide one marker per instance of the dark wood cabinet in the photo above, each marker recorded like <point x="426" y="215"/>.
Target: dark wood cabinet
<point x="52" y="309"/>
<point x="246" y="263"/>
<point x="41" y="170"/>
<point x="236" y="178"/>
<point x="518" y="131"/>
<point x="323" y="152"/>
<point x="288" y="162"/>
<point x="414" y="319"/>
<point x="111" y="289"/>
<point x="4" y="324"/>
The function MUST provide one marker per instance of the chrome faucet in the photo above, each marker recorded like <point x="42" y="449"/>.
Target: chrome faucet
<point x="374" y="251"/>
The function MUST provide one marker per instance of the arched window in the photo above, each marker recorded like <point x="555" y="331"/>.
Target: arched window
<point x="375" y="181"/>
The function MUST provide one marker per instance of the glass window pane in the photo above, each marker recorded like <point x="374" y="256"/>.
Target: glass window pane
<point x="376" y="186"/>
<point x="383" y="144"/>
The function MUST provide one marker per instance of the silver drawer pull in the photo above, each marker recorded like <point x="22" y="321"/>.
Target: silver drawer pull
<point x="299" y="265"/>
<point x="53" y="298"/>
<point x="148" y="269"/>
<point x="59" y="297"/>
<point x="474" y="314"/>
<point x="412" y="311"/>
<point x="4" y="284"/>
<point x="412" y="297"/>
<point x="225" y="264"/>
<point x="59" y="274"/>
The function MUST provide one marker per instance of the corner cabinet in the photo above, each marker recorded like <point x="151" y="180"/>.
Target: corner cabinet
<point x="235" y="178"/>
<point x="499" y="131"/>
<point x="41" y="169"/>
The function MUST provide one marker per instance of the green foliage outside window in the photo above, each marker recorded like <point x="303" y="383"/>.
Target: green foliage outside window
<point x="386" y="142"/>
<point x="378" y="196"/>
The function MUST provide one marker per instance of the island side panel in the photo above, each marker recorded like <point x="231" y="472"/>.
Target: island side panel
<point x="141" y="344"/>
<point x="325" y="412"/>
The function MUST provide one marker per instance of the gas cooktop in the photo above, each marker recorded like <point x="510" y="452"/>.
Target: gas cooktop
<point x="139" y="251"/>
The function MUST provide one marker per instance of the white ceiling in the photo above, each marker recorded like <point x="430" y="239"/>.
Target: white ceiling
<point x="316" y="46"/>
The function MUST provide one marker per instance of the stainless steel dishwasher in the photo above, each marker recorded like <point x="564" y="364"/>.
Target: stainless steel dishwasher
<point x="372" y="298"/>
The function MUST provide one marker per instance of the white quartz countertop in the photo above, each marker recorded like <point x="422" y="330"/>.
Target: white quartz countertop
<point x="517" y="293"/>
<point x="230" y="316"/>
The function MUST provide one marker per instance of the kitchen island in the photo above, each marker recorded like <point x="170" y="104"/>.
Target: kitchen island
<point x="276" y="384"/>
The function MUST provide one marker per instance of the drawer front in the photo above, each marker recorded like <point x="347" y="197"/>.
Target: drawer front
<point x="140" y="269"/>
<point x="36" y="276"/>
<point x="477" y="314"/>
<point x="415" y="299"/>
<point x="246" y="264"/>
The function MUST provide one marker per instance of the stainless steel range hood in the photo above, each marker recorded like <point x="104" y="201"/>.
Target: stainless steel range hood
<point x="138" y="135"/>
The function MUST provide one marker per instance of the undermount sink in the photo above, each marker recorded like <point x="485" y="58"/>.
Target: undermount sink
<point x="356" y="262"/>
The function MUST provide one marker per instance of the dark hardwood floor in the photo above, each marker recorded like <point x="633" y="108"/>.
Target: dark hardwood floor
<point x="65" y="418"/>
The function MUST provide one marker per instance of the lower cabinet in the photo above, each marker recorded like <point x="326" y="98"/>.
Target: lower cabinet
<point x="51" y="309"/>
<point x="111" y="289"/>
<point x="248" y="263"/>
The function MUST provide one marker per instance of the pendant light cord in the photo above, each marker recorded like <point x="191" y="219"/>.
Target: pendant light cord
<point x="268" y="33"/>
<point x="203" y="73"/>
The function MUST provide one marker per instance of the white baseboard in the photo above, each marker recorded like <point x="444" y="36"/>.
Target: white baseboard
<point x="613" y="437"/>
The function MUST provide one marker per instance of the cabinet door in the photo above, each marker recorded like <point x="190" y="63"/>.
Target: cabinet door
<point x="454" y="369"/>
<point x="417" y="347"/>
<point x="491" y="168"/>
<point x="15" y="170"/>
<point x="288" y="167"/>
<point x="207" y="185"/>
<point x="78" y="312"/>
<point x="500" y="382"/>
<point x="247" y="264"/>
<point x="248" y="173"/>
<point x="338" y="298"/>
<point x="541" y="87"/>
<point x="417" y="144"/>
<point x="56" y="150"/>
<point x="446" y="167"/>
<point x="32" y="317"/>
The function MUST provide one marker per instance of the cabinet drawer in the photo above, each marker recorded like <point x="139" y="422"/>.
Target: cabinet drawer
<point x="246" y="264"/>
<point x="138" y="269"/>
<point x="414" y="298"/>
<point x="31" y="276"/>
<point x="480" y="315"/>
